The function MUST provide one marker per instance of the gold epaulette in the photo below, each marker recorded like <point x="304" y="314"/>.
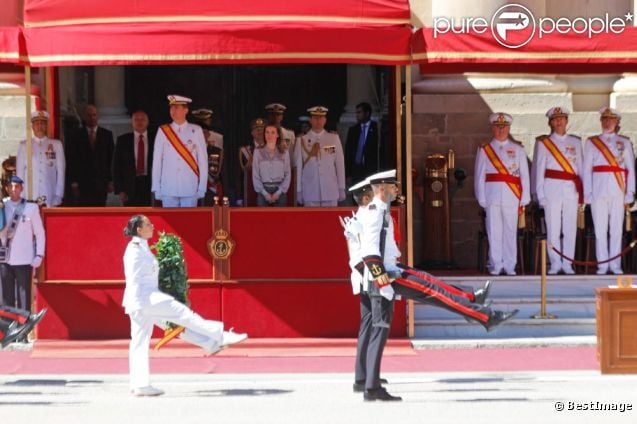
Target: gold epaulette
<point x="541" y="137"/>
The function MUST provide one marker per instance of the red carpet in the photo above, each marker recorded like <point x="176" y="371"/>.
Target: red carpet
<point x="53" y="359"/>
<point x="277" y="348"/>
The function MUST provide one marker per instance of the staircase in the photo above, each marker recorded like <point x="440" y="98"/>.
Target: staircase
<point x="571" y="298"/>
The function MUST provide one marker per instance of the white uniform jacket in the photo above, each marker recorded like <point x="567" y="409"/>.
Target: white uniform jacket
<point x="321" y="177"/>
<point x="604" y="184"/>
<point x="48" y="166"/>
<point x="171" y="174"/>
<point x="373" y="218"/>
<point x="353" y="231"/>
<point x="141" y="270"/>
<point x="514" y="159"/>
<point x="23" y="250"/>
<point x="550" y="188"/>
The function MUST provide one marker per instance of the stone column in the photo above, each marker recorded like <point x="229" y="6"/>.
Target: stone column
<point x="110" y="99"/>
<point x="360" y="88"/>
<point x="13" y="123"/>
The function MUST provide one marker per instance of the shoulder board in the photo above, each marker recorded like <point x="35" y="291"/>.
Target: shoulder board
<point x="575" y="136"/>
<point x="483" y="145"/>
<point x="519" y="143"/>
<point x="371" y="207"/>
<point x="623" y="137"/>
<point x="332" y="132"/>
<point x="541" y="137"/>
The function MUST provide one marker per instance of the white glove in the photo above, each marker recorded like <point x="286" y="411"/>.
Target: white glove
<point x="56" y="201"/>
<point x="201" y="194"/>
<point x="299" y="197"/>
<point x="157" y="195"/>
<point x="341" y="195"/>
<point x="36" y="262"/>
<point x="542" y="202"/>
<point x="387" y="292"/>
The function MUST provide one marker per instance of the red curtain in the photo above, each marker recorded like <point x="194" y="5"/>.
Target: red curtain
<point x="76" y="32"/>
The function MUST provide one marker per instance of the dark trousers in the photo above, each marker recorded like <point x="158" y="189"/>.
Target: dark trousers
<point x="376" y="316"/>
<point x="142" y="192"/>
<point x="16" y="285"/>
<point x="419" y="290"/>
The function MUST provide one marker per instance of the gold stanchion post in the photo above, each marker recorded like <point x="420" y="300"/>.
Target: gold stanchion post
<point x="543" y="314"/>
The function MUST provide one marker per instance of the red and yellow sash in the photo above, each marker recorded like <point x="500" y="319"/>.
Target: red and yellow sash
<point x="612" y="166"/>
<point x="185" y="154"/>
<point x="567" y="173"/>
<point x="503" y="174"/>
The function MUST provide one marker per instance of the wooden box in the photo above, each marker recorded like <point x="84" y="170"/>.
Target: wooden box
<point x="617" y="330"/>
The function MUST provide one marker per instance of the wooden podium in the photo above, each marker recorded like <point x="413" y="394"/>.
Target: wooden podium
<point x="617" y="330"/>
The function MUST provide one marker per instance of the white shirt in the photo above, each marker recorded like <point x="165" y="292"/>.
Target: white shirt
<point x="551" y="188"/>
<point x="23" y="250"/>
<point x="141" y="270"/>
<point x="172" y="176"/>
<point x="47" y="165"/>
<point x="513" y="157"/>
<point x="604" y="184"/>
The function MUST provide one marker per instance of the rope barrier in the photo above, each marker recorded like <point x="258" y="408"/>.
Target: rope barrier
<point x="593" y="263"/>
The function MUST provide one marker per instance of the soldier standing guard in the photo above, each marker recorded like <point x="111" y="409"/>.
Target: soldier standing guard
<point x="558" y="162"/>
<point x="180" y="160"/>
<point x="609" y="187"/>
<point x="320" y="166"/>
<point x="275" y="113"/>
<point x="502" y="189"/>
<point x="48" y="164"/>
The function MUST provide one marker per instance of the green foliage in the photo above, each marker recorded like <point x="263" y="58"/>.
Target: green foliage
<point x="173" y="277"/>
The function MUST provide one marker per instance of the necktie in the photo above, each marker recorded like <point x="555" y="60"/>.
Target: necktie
<point x="361" y="145"/>
<point x="141" y="154"/>
<point x="91" y="137"/>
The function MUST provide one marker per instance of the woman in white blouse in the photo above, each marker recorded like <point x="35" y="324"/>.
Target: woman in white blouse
<point x="146" y="306"/>
<point x="271" y="169"/>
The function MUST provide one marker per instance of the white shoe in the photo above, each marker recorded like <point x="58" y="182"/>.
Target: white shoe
<point x="494" y="271"/>
<point x="553" y="271"/>
<point x="147" y="391"/>
<point x="230" y="337"/>
<point x="602" y="271"/>
<point x="510" y="272"/>
<point x="617" y="271"/>
<point x="569" y="271"/>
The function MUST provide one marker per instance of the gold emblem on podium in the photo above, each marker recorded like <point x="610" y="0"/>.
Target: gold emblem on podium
<point x="221" y="246"/>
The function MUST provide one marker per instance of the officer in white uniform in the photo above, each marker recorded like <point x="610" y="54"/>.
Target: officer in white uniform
<point x="559" y="187"/>
<point x="23" y="235"/>
<point x="175" y="182"/>
<point x="147" y="306"/>
<point x="494" y="190"/>
<point x="274" y="112"/>
<point x="320" y="166"/>
<point x="47" y="162"/>
<point x="609" y="187"/>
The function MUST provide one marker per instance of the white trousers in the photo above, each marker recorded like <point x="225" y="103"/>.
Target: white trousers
<point x="608" y="219"/>
<point x="205" y="333"/>
<point x="179" y="202"/>
<point x="502" y="231"/>
<point x="561" y="218"/>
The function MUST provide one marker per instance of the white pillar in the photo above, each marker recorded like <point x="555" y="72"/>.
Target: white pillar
<point x="110" y="99"/>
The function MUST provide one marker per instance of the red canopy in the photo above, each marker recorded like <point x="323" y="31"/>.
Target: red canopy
<point x="77" y="32"/>
<point x="563" y="53"/>
<point x="10" y="32"/>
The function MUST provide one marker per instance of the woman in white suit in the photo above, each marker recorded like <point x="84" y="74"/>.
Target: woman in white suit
<point x="146" y="306"/>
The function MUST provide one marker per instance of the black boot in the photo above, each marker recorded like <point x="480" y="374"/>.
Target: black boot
<point x="359" y="385"/>
<point x="480" y="295"/>
<point x="381" y="394"/>
<point x="498" y="317"/>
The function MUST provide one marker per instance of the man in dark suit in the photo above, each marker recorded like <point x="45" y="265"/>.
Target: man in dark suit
<point x="364" y="155"/>
<point x="89" y="154"/>
<point x="133" y="162"/>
